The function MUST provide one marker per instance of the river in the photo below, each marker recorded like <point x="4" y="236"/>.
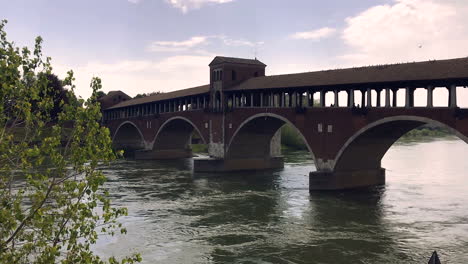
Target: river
<point x="270" y="217"/>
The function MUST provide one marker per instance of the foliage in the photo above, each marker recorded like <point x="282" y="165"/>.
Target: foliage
<point x="52" y="208"/>
<point x="291" y="138"/>
<point x="426" y="132"/>
<point x="56" y="92"/>
<point x="147" y="94"/>
<point x="199" y="148"/>
<point x="100" y="94"/>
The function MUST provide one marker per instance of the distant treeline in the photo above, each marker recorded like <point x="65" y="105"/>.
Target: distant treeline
<point x="290" y="138"/>
<point x="427" y="131"/>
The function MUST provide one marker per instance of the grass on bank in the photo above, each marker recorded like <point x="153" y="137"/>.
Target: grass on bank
<point x="199" y="148"/>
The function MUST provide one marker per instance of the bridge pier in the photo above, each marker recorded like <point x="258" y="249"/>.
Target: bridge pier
<point x="342" y="180"/>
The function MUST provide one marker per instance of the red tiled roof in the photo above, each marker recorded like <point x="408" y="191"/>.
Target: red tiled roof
<point x="383" y="74"/>
<point x="164" y="96"/>
<point x="220" y="60"/>
<point x="417" y="71"/>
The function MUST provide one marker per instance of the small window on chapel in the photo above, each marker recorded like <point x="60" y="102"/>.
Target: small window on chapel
<point x="217" y="75"/>
<point x="256" y="74"/>
<point x="234" y="77"/>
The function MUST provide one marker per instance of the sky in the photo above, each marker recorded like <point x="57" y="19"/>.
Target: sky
<point x="141" y="46"/>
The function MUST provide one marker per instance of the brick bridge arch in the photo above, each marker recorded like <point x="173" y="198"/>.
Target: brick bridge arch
<point x="172" y="139"/>
<point x="259" y="136"/>
<point x="374" y="140"/>
<point x="159" y="137"/>
<point x="171" y="125"/>
<point x="358" y="161"/>
<point x="128" y="136"/>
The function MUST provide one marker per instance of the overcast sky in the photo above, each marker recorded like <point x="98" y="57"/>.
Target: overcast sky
<point x="162" y="45"/>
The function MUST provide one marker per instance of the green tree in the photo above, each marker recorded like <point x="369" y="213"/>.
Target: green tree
<point x="57" y="93"/>
<point x="146" y="94"/>
<point x="100" y="94"/>
<point x="52" y="205"/>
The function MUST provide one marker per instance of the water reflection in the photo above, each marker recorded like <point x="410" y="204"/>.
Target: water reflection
<point x="176" y="216"/>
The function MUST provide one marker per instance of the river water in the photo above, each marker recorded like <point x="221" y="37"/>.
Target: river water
<point x="176" y="216"/>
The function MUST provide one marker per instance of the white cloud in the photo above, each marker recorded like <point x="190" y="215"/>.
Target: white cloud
<point x="407" y="30"/>
<point x="238" y="42"/>
<point x="134" y="1"/>
<point x="171" y="46"/>
<point x="187" y="5"/>
<point x="317" y="34"/>
<point x="177" y="46"/>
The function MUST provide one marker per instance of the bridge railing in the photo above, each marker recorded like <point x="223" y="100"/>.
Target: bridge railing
<point x="299" y="99"/>
<point x="293" y="98"/>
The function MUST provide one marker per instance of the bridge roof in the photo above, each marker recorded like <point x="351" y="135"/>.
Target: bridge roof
<point x="220" y="60"/>
<point x="392" y="73"/>
<point x="164" y="96"/>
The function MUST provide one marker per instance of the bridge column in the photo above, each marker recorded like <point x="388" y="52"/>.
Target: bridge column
<point x="350" y="97"/>
<point x="430" y="96"/>
<point x="387" y="97"/>
<point x="322" y="98"/>
<point x="379" y="91"/>
<point x="337" y="103"/>
<point x="369" y="97"/>
<point x="407" y="97"/>
<point x="363" y="98"/>
<point x="395" y="98"/>
<point x="452" y="95"/>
